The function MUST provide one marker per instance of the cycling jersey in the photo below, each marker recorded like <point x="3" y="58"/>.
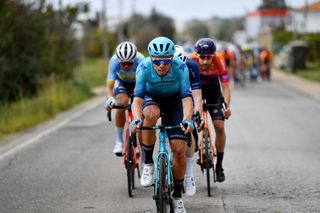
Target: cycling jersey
<point x="194" y="75"/>
<point x="228" y="57"/>
<point x="175" y="81"/>
<point x="166" y="91"/>
<point x="212" y="78"/>
<point x="115" y="71"/>
<point x="265" y="56"/>
<point x="215" y="73"/>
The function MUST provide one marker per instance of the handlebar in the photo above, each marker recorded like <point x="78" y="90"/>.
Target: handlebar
<point x="126" y="107"/>
<point x="163" y="127"/>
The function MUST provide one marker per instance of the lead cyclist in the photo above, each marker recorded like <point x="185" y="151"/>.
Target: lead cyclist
<point x="161" y="80"/>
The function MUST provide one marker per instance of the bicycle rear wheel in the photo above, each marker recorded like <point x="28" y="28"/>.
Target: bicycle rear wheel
<point x="208" y="159"/>
<point x="162" y="202"/>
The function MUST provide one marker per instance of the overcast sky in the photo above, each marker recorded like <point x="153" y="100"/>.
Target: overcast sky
<point x="180" y="10"/>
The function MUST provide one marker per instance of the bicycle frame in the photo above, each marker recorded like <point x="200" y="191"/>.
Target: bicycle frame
<point x="130" y="157"/>
<point x="206" y="126"/>
<point x="167" y="153"/>
<point x="126" y="136"/>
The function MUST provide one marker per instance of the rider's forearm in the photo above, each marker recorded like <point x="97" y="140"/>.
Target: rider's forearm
<point x="187" y="108"/>
<point x="226" y="93"/>
<point x="197" y="98"/>
<point x="109" y="89"/>
<point x="136" y="108"/>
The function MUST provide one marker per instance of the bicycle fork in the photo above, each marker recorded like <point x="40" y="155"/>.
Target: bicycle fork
<point x="167" y="155"/>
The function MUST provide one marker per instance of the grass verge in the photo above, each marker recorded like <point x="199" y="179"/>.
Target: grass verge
<point x="57" y="97"/>
<point x="311" y="73"/>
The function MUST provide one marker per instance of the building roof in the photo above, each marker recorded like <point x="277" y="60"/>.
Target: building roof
<point x="268" y="12"/>
<point x="315" y="6"/>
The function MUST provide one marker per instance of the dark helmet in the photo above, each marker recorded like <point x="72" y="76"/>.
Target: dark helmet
<point x="205" y="46"/>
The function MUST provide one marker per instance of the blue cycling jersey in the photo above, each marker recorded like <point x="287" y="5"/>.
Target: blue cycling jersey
<point x="194" y="75"/>
<point x="117" y="73"/>
<point x="175" y="81"/>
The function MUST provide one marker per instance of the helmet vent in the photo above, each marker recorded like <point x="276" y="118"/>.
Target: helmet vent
<point x="161" y="47"/>
<point x="155" y="47"/>
<point x="167" y="47"/>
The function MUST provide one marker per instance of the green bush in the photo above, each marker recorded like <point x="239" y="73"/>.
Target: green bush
<point x="36" y="42"/>
<point x="313" y="40"/>
<point x="280" y="38"/>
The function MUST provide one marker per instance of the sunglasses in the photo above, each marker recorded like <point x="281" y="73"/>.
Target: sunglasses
<point x="126" y="63"/>
<point x="164" y="61"/>
<point x="204" y="57"/>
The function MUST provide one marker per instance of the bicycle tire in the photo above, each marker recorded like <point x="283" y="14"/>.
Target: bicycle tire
<point x="162" y="189"/>
<point x="129" y="166"/>
<point x="207" y="159"/>
<point x="134" y="139"/>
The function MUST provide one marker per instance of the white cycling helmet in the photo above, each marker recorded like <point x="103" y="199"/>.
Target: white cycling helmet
<point x="126" y="51"/>
<point x="179" y="51"/>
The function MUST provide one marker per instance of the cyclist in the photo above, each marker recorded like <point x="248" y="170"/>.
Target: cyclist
<point x="230" y="62"/>
<point x="265" y="58"/>
<point x="214" y="78"/>
<point x="163" y="85"/>
<point x="189" y="183"/>
<point x="120" y="84"/>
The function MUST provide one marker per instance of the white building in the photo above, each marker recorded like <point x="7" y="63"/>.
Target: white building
<point x="305" y="19"/>
<point x="257" y="20"/>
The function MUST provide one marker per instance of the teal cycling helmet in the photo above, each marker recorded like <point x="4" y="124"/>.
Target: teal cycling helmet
<point x="161" y="46"/>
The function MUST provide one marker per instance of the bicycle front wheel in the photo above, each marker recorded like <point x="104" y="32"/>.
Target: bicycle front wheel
<point x="162" y="195"/>
<point x="208" y="159"/>
<point x="129" y="166"/>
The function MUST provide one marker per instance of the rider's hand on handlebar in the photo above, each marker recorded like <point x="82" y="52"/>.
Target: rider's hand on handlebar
<point x="199" y="123"/>
<point x="187" y="126"/>
<point x="226" y="112"/>
<point x="135" y="125"/>
<point x="199" y="126"/>
<point x="109" y="103"/>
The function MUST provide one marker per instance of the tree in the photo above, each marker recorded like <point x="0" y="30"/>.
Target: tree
<point x="273" y="4"/>
<point x="36" y="42"/>
<point x="145" y="35"/>
<point x="164" y="24"/>
<point x="197" y="29"/>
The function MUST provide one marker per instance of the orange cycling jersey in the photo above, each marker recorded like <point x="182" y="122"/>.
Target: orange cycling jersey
<point x="228" y="57"/>
<point x="217" y="70"/>
<point x="265" y="56"/>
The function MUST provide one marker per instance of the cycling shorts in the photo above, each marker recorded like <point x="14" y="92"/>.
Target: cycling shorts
<point x="216" y="113"/>
<point x="212" y="94"/>
<point x="123" y="87"/>
<point x="173" y="113"/>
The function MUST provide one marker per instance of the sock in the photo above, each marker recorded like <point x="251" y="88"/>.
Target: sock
<point x="189" y="169"/>
<point x="177" y="189"/>
<point x="119" y="134"/>
<point x="219" y="158"/>
<point x="148" y="153"/>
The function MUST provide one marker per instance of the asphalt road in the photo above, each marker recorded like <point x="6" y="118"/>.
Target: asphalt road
<point x="272" y="162"/>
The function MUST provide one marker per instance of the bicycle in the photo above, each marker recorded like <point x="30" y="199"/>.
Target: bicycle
<point x="131" y="157"/>
<point x="163" y="179"/>
<point x="206" y="159"/>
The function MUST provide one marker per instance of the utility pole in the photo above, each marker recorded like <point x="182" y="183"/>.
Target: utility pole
<point x="120" y="25"/>
<point x="103" y="25"/>
<point x="133" y="21"/>
<point x="305" y="17"/>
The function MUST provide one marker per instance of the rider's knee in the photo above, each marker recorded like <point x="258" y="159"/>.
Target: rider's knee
<point x="122" y="99"/>
<point x="179" y="152"/>
<point x="219" y="128"/>
<point x="151" y="114"/>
